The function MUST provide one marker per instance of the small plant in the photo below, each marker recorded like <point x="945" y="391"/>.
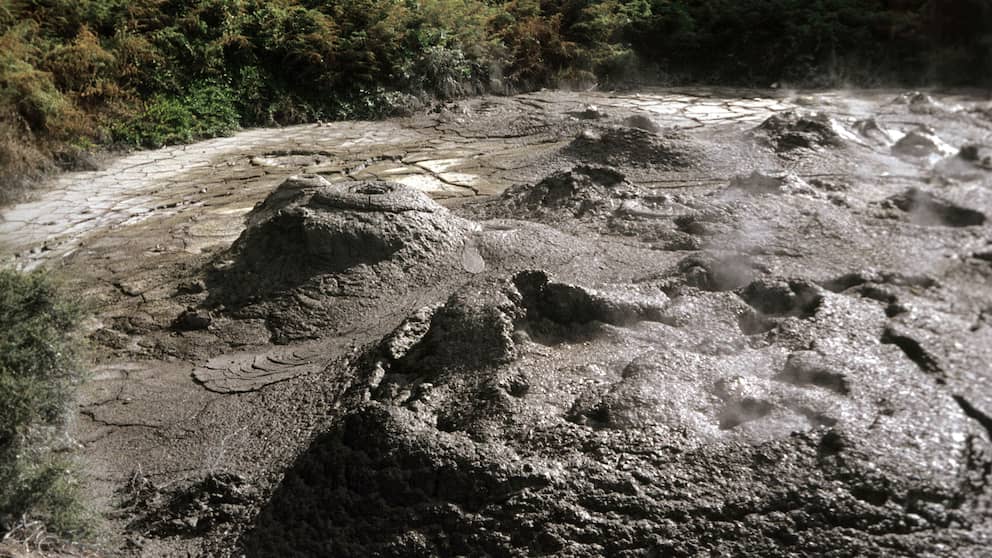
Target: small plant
<point x="38" y="374"/>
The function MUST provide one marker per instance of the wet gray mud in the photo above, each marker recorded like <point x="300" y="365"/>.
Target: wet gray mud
<point x="574" y="324"/>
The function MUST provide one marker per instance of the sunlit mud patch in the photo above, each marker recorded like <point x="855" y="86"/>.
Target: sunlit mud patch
<point x="634" y="147"/>
<point x="794" y="130"/>
<point x="311" y="243"/>
<point x="926" y="209"/>
<point x="597" y="445"/>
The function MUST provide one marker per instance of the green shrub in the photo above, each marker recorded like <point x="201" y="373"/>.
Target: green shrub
<point x="207" y="110"/>
<point x="38" y="374"/>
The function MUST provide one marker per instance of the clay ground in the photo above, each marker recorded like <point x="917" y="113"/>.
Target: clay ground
<point x="186" y="385"/>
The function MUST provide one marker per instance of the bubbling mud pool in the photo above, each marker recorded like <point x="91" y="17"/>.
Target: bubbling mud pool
<point x="657" y="323"/>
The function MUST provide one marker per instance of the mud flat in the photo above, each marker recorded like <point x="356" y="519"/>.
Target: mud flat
<point x="661" y="324"/>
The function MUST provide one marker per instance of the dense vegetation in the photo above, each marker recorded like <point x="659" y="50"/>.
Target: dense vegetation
<point x="38" y="372"/>
<point x="74" y="73"/>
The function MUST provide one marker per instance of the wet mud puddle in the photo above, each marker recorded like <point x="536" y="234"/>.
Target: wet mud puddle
<point x="668" y="322"/>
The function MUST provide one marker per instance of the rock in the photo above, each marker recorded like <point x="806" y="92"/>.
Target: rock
<point x="110" y="338"/>
<point x="565" y="304"/>
<point x="75" y="160"/>
<point x="782" y="297"/>
<point x="811" y="368"/>
<point x="719" y="273"/>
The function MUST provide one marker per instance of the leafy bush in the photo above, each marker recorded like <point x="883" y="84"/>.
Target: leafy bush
<point x="38" y="373"/>
<point x="207" y="110"/>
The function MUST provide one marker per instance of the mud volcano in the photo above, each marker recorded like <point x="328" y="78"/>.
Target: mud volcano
<point x="312" y="248"/>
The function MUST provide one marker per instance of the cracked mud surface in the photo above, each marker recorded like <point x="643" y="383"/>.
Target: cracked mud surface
<point x="658" y="324"/>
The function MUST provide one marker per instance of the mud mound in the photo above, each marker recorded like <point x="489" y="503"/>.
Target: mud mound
<point x="788" y="131"/>
<point x="642" y="438"/>
<point x="924" y="208"/>
<point x="633" y="147"/>
<point x="919" y="103"/>
<point x="921" y="143"/>
<point x="317" y="255"/>
<point x="583" y="191"/>
<point x="309" y="227"/>
<point x="642" y="122"/>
